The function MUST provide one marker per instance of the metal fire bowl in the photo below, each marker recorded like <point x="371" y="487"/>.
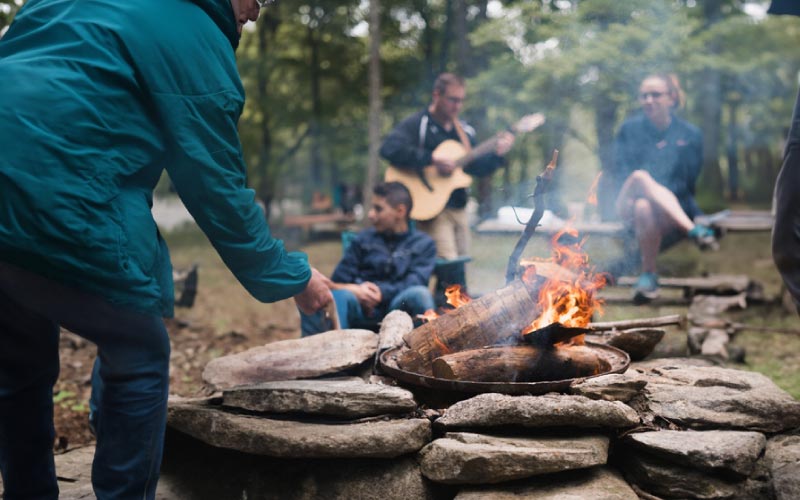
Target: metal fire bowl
<point x="616" y="358"/>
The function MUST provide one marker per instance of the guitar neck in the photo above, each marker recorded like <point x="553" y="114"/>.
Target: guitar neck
<point x="481" y="149"/>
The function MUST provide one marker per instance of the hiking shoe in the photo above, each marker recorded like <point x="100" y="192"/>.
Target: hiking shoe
<point x="646" y="288"/>
<point x="704" y="237"/>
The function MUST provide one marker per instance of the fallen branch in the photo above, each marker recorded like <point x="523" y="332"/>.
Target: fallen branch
<point x="672" y="319"/>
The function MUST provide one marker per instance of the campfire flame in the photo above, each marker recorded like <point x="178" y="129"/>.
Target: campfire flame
<point x="591" y="199"/>
<point x="568" y="296"/>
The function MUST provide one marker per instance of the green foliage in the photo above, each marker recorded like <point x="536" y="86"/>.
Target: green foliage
<point x="567" y="59"/>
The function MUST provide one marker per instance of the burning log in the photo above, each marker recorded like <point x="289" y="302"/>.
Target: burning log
<point x="521" y="363"/>
<point x="495" y="318"/>
<point x="552" y="334"/>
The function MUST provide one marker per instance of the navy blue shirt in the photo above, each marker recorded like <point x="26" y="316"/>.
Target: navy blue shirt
<point x="394" y="262"/>
<point x="673" y="156"/>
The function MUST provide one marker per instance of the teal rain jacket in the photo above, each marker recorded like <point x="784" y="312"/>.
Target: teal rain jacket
<point x="97" y="98"/>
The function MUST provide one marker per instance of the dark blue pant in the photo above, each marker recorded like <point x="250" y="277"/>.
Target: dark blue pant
<point x="130" y="389"/>
<point x="413" y="300"/>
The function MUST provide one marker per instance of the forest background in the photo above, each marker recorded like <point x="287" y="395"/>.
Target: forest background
<point x="326" y="80"/>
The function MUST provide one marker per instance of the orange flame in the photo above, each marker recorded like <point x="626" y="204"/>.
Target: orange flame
<point x="568" y="295"/>
<point x="591" y="199"/>
<point x="455" y="298"/>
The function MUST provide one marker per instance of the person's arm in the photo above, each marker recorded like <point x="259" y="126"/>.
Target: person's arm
<point x="204" y="161"/>
<point x="401" y="147"/>
<point x="423" y="260"/>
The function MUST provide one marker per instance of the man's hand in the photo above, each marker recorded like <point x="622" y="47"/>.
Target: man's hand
<point x="316" y="295"/>
<point x="444" y="166"/>
<point x="505" y="140"/>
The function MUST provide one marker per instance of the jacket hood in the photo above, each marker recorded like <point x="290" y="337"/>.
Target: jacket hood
<point x="221" y="12"/>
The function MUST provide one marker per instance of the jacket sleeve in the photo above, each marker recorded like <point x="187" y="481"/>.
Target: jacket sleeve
<point x="418" y="273"/>
<point x="204" y="161"/>
<point x="401" y="147"/>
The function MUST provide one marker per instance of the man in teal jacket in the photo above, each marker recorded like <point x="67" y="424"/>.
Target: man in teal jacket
<point x="97" y="98"/>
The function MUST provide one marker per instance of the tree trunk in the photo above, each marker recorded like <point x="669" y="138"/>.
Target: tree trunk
<point x="710" y="99"/>
<point x="265" y="187"/>
<point x="605" y="117"/>
<point x="375" y="104"/>
<point x="463" y="60"/>
<point x="521" y="363"/>
<point x="733" y="151"/>
<point x="316" y="106"/>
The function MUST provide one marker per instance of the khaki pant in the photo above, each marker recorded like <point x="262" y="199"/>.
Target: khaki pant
<point x="450" y="231"/>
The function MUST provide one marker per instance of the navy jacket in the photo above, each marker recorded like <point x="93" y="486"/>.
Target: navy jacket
<point x="673" y="157"/>
<point x="403" y="149"/>
<point x="393" y="262"/>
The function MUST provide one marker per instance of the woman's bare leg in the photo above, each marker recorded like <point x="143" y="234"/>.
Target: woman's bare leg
<point x="648" y="233"/>
<point x="641" y="184"/>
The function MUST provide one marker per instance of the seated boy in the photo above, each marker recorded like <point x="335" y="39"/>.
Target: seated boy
<point x="386" y="267"/>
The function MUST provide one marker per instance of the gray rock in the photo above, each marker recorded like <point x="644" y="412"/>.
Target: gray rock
<point x="550" y="410"/>
<point x="597" y="483"/>
<point x="307" y="357"/>
<point x="615" y="387"/>
<point x="783" y="459"/>
<point x="672" y="481"/>
<point x="286" y="438"/>
<point x="464" y="458"/>
<point x="720" y="398"/>
<point x="195" y="471"/>
<point x="350" y="397"/>
<point x="651" y="364"/>
<point x="733" y="451"/>
<point x="715" y="344"/>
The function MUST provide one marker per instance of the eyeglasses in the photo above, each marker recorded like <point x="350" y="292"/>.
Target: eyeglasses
<point x="263" y="3"/>
<point x="454" y="100"/>
<point x="654" y="95"/>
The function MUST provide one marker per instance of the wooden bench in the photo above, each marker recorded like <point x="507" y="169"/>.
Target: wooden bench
<point x="726" y="220"/>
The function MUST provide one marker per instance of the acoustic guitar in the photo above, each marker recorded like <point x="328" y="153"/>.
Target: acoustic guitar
<point x="430" y="190"/>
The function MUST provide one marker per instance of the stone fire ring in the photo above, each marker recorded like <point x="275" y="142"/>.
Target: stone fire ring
<point x="616" y="358"/>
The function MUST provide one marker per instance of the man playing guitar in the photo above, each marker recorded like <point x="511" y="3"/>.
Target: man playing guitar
<point x="412" y="146"/>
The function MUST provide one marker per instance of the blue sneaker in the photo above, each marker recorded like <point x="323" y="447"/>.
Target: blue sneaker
<point x="704" y="237"/>
<point x="646" y="288"/>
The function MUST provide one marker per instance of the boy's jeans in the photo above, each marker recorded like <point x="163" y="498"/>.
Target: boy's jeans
<point x="413" y="300"/>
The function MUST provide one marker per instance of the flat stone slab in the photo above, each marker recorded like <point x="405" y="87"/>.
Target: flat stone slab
<point x="732" y="451"/>
<point x="720" y="398"/>
<point x="597" y="483"/>
<point x="615" y="387"/>
<point x="291" y="439"/>
<point x="783" y="459"/>
<point x="549" y="410"/>
<point x="673" y="481"/>
<point x="465" y="458"/>
<point x="307" y="357"/>
<point x="350" y="397"/>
